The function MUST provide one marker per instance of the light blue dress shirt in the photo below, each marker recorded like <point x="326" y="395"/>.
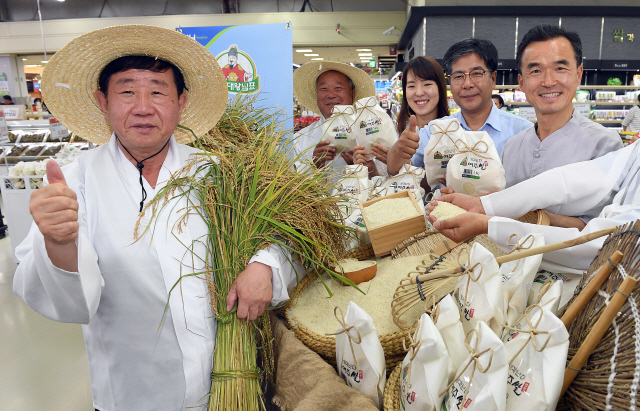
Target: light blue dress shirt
<point x="500" y="125"/>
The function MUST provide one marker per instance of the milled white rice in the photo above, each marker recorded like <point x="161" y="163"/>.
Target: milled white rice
<point x="444" y="211"/>
<point x="389" y="211"/>
<point x="314" y="308"/>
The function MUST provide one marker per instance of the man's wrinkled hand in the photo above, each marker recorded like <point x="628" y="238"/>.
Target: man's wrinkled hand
<point x="462" y="227"/>
<point x="323" y="153"/>
<point x="253" y="291"/>
<point x="54" y="208"/>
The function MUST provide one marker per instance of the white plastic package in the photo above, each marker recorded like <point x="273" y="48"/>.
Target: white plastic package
<point x="356" y="221"/>
<point x="537" y="352"/>
<point x="478" y="292"/>
<point x="550" y="300"/>
<point x="480" y="383"/>
<point x="359" y="353"/>
<point x="372" y="125"/>
<point x="518" y="275"/>
<point x="452" y="333"/>
<point x="569" y="282"/>
<point x="476" y="168"/>
<point x="338" y="130"/>
<point x="441" y="147"/>
<point x="425" y="369"/>
<point x="354" y="187"/>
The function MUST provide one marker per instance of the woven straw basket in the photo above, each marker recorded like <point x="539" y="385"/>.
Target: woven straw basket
<point x="394" y="351"/>
<point x="391" y="396"/>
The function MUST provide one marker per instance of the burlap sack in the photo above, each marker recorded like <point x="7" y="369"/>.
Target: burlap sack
<point x="305" y="382"/>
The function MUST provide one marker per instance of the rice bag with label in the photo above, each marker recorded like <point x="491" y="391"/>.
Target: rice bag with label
<point x="372" y="125"/>
<point x="480" y="383"/>
<point x="537" y="350"/>
<point x="337" y="129"/>
<point x="450" y="327"/>
<point x="408" y="178"/>
<point x="550" y="300"/>
<point x="356" y="221"/>
<point x="354" y="187"/>
<point x="476" y="169"/>
<point x="517" y="277"/>
<point x="425" y="369"/>
<point x="569" y="282"/>
<point x="359" y="354"/>
<point x="478" y="293"/>
<point x="441" y="147"/>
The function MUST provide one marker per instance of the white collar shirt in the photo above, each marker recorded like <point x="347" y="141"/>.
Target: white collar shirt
<point x="140" y="357"/>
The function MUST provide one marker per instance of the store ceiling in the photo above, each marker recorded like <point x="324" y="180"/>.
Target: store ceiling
<point x="340" y="54"/>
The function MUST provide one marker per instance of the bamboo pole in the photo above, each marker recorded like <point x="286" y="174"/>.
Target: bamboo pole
<point x="589" y="291"/>
<point x="597" y="332"/>
<point x="522" y="254"/>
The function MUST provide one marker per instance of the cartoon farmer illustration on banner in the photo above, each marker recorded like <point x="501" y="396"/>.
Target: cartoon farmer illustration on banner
<point x="239" y="70"/>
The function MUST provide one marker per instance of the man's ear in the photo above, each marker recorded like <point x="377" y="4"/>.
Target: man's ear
<point x="102" y="101"/>
<point x="494" y="76"/>
<point x="353" y="95"/>
<point x="182" y="101"/>
<point x="580" y="72"/>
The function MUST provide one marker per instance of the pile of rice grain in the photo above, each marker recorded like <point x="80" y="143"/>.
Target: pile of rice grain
<point x="444" y="211"/>
<point x="314" y="309"/>
<point x="390" y="210"/>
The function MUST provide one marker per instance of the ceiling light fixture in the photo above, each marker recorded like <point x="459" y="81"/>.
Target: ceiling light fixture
<point x="365" y="54"/>
<point x="24" y="59"/>
<point x="32" y="65"/>
<point x="363" y="49"/>
<point x="312" y="55"/>
<point x="44" y="61"/>
<point x="318" y="58"/>
<point x="304" y="51"/>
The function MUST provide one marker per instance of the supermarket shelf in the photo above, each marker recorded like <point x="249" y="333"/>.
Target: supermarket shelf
<point x="608" y="121"/>
<point x="593" y="103"/>
<point x="609" y="87"/>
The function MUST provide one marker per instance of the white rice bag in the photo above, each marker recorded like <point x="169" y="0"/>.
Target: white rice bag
<point x="354" y="187"/>
<point x="488" y="363"/>
<point x="450" y="327"/>
<point x="408" y="178"/>
<point x="337" y="128"/>
<point x="550" y="300"/>
<point x="441" y="147"/>
<point x="356" y="221"/>
<point x="536" y="374"/>
<point x="518" y="275"/>
<point x="372" y="125"/>
<point x="476" y="168"/>
<point x="425" y="369"/>
<point x="366" y="372"/>
<point x="569" y="284"/>
<point x="484" y="299"/>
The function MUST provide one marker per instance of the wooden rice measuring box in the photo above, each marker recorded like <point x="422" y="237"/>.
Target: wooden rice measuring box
<point x="386" y="237"/>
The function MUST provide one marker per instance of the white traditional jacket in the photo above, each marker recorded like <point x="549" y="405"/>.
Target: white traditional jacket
<point x="138" y="359"/>
<point x="608" y="186"/>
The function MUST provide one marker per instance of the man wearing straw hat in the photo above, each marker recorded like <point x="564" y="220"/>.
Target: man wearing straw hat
<point x="319" y="86"/>
<point x="126" y="88"/>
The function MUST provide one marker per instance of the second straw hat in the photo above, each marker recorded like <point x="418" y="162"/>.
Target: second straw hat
<point x="304" y="82"/>
<point x="70" y="78"/>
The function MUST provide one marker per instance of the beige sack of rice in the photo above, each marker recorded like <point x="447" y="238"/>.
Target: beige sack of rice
<point x="441" y="147"/>
<point x="390" y="210"/>
<point x="445" y="211"/>
<point x="353" y="186"/>
<point x="450" y="327"/>
<point x="536" y="372"/>
<point x="337" y="128"/>
<point x="372" y="125"/>
<point x="359" y="354"/>
<point x="356" y="221"/>
<point x="476" y="168"/>
<point x="314" y="308"/>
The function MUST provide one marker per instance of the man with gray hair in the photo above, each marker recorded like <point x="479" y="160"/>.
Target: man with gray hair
<point x="471" y="66"/>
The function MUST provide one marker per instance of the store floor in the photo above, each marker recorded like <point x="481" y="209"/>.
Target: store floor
<point x="43" y="363"/>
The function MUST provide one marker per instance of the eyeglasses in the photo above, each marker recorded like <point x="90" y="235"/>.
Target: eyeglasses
<point x="476" y="77"/>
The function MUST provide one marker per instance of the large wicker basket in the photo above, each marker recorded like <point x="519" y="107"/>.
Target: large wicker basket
<point x="391" y="396"/>
<point x="392" y="343"/>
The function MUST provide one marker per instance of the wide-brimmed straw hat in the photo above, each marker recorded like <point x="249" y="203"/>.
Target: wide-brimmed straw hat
<point x="304" y="82"/>
<point x="70" y="78"/>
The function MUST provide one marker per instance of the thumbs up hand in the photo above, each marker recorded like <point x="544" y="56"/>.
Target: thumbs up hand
<point x="54" y="208"/>
<point x="409" y="140"/>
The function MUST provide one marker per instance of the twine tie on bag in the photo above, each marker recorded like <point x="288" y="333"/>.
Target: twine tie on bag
<point x="532" y="331"/>
<point x="475" y="359"/>
<point x="437" y="132"/>
<point x="543" y="290"/>
<point x="518" y="247"/>
<point x="345" y="329"/>
<point x="413" y="348"/>
<point x="476" y="149"/>
<point x="471" y="278"/>
<point x="434" y="311"/>
<point x="140" y="166"/>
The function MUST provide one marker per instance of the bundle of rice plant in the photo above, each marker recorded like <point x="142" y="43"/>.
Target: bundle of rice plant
<point x="245" y="187"/>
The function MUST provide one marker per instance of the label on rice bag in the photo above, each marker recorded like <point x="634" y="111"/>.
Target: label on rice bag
<point x="443" y="157"/>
